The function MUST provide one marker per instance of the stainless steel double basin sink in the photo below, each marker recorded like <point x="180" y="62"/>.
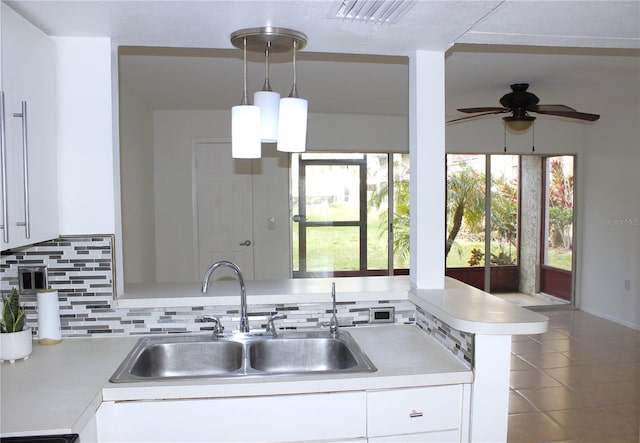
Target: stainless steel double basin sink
<point x="242" y="355"/>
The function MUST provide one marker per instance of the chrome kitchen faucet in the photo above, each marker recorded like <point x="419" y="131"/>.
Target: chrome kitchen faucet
<point x="244" y="319"/>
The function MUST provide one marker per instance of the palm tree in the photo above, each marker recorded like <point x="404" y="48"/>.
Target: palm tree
<point x="400" y="211"/>
<point x="465" y="201"/>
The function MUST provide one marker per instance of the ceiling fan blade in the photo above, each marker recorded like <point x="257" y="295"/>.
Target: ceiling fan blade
<point x="559" y="108"/>
<point x="498" y="111"/>
<point x="492" y="109"/>
<point x="572" y="114"/>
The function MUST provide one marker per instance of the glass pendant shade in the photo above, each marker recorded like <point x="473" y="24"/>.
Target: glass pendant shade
<point x="518" y="125"/>
<point x="269" y="104"/>
<point x="292" y="125"/>
<point x="245" y="131"/>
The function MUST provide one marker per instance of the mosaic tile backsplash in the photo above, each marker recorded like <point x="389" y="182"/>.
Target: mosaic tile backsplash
<point x="81" y="270"/>
<point x="458" y="342"/>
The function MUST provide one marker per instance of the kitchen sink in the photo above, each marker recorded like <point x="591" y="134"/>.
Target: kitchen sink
<point x="188" y="358"/>
<point x="242" y="355"/>
<point x="301" y="355"/>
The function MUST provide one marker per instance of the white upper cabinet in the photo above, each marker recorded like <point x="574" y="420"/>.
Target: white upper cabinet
<point x="29" y="155"/>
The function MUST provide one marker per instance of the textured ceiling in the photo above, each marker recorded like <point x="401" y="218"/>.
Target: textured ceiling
<point x="569" y="51"/>
<point x="427" y="25"/>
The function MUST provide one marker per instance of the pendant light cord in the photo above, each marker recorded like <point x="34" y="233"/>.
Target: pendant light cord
<point x="505" y="137"/>
<point x="533" y="137"/>
<point x="267" y="86"/>
<point x="245" y="97"/>
<point x="294" y="88"/>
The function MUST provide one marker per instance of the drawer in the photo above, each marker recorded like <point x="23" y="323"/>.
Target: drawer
<point x="416" y="410"/>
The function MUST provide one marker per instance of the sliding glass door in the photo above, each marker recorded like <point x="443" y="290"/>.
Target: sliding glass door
<point x="556" y="273"/>
<point x="481" y="250"/>
<point x="524" y="246"/>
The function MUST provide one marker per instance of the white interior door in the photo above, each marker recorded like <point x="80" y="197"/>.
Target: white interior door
<point x="224" y="208"/>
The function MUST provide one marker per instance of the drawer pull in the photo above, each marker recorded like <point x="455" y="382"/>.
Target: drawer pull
<point x="415" y="414"/>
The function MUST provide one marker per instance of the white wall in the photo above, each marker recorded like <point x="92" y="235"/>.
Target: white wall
<point x="137" y="202"/>
<point x="610" y="253"/>
<point x="358" y="133"/>
<point x="85" y="136"/>
<point x="174" y="132"/>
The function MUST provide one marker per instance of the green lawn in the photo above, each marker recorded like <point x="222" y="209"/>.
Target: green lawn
<point x="337" y="248"/>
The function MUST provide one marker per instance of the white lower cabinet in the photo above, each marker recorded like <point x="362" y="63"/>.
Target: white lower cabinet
<point x="425" y="414"/>
<point x="415" y="414"/>
<point x="312" y="417"/>
<point x="89" y="434"/>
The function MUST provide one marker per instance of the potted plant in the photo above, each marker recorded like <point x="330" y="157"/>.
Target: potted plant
<point x="15" y="339"/>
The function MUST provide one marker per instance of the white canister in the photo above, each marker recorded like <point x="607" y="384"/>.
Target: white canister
<point x="49" y="331"/>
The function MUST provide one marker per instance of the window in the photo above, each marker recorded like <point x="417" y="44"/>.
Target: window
<point x="340" y="212"/>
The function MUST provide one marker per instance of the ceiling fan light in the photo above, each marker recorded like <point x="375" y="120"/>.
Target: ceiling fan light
<point x="518" y="124"/>
<point x="245" y="131"/>
<point x="292" y="125"/>
<point x="269" y="104"/>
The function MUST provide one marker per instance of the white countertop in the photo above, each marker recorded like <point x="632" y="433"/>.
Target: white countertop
<point x="468" y="309"/>
<point x="461" y="306"/>
<point x="59" y="388"/>
<point x="298" y="290"/>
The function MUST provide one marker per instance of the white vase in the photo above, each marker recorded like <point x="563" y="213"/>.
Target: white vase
<point x="16" y="345"/>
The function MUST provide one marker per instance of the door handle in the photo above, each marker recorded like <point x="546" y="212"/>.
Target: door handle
<point x="25" y="168"/>
<point x="246" y="243"/>
<point x="3" y="166"/>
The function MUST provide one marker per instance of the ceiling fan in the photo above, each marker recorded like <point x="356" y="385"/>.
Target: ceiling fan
<point x="519" y="103"/>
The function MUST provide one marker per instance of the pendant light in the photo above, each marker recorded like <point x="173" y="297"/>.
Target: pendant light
<point x="280" y="120"/>
<point x="292" y="121"/>
<point x="245" y="122"/>
<point x="269" y="103"/>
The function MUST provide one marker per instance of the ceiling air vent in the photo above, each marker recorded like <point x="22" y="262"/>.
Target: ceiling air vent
<point x="371" y="11"/>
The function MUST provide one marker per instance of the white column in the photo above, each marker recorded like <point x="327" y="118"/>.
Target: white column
<point x="427" y="156"/>
<point x="490" y="389"/>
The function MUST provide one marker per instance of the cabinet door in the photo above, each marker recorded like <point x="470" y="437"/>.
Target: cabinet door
<point x="310" y="417"/>
<point x="413" y="411"/>
<point x="29" y="89"/>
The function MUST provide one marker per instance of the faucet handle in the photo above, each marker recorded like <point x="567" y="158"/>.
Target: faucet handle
<point x="333" y="325"/>
<point x="218" y="328"/>
<point x="271" y="329"/>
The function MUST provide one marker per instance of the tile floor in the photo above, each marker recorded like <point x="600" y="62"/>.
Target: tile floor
<point x="578" y="382"/>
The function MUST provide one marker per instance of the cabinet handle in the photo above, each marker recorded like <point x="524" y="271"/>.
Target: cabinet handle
<point x="3" y="166"/>
<point x="415" y="414"/>
<point x="25" y="168"/>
